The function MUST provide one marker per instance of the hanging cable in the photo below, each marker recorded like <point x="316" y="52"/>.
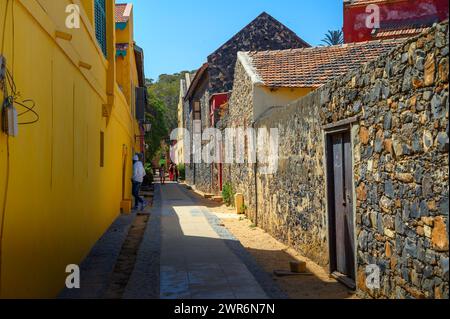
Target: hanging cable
<point x="15" y="95"/>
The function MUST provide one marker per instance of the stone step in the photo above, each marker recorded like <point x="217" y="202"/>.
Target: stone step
<point x="146" y="194"/>
<point x="218" y="199"/>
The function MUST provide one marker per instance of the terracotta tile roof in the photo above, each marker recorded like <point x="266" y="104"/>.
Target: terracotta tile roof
<point x="361" y="2"/>
<point x="404" y="28"/>
<point x="122" y="12"/>
<point x="399" y="33"/>
<point x="313" y="67"/>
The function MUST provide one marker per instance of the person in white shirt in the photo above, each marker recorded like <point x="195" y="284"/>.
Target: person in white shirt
<point x="137" y="179"/>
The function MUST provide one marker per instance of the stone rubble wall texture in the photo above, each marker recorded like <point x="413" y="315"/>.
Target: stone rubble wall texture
<point x="400" y="149"/>
<point x="264" y="33"/>
<point x="199" y="175"/>
<point x="240" y="115"/>
<point x="188" y="125"/>
<point x="203" y="170"/>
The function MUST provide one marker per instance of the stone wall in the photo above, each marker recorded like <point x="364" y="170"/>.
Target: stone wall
<point x="199" y="175"/>
<point x="399" y="106"/>
<point x="203" y="171"/>
<point x="188" y="125"/>
<point x="292" y="202"/>
<point x="400" y="164"/>
<point x="241" y="176"/>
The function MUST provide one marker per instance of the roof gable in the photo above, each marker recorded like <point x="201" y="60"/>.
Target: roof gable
<point x="263" y="33"/>
<point x="262" y="17"/>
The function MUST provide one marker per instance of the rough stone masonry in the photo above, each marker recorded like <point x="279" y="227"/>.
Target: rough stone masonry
<point x="400" y="143"/>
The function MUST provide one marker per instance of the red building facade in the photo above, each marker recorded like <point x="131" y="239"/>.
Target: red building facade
<point x="366" y="20"/>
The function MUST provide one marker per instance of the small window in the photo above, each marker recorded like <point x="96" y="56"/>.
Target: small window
<point x="102" y="149"/>
<point x="100" y="24"/>
<point x="197" y="111"/>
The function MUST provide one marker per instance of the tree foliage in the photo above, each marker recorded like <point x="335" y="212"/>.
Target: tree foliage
<point x="167" y="89"/>
<point x="156" y="115"/>
<point x="333" y="37"/>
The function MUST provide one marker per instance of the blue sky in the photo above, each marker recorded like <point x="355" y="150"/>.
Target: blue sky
<point x="178" y="35"/>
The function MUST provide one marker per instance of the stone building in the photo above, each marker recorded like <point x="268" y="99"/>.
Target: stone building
<point x="184" y="85"/>
<point x="268" y="79"/>
<point x="214" y="80"/>
<point x="362" y="180"/>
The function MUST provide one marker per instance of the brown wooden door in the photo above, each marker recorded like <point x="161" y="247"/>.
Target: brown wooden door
<point x="341" y="204"/>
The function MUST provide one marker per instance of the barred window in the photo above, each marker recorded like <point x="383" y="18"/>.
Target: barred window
<point x="100" y="24"/>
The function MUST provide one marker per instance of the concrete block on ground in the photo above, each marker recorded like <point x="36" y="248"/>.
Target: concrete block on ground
<point x="239" y="203"/>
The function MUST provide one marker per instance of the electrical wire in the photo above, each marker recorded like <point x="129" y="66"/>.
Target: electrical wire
<point x="14" y="99"/>
<point x="11" y="83"/>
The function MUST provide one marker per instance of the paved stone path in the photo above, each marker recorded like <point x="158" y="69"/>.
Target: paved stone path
<point x="185" y="253"/>
<point x="196" y="261"/>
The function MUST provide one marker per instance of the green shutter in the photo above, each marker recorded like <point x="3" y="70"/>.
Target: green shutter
<point x="100" y="24"/>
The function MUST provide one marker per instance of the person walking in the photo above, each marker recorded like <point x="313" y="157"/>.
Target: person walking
<point x="137" y="180"/>
<point x="162" y="174"/>
<point x="171" y="172"/>
<point x="175" y="167"/>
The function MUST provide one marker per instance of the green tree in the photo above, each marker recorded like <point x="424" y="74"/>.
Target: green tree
<point x="156" y="115"/>
<point x="333" y="37"/>
<point x="167" y="89"/>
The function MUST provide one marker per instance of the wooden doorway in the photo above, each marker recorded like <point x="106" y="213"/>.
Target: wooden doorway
<point x="340" y="206"/>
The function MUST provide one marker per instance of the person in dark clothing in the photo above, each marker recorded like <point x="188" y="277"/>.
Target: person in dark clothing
<point x="175" y="167"/>
<point x="162" y="174"/>
<point x="137" y="179"/>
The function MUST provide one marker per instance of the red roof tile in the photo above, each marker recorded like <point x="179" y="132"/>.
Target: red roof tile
<point x="313" y="67"/>
<point x="399" y="33"/>
<point x="361" y="2"/>
<point x="122" y="12"/>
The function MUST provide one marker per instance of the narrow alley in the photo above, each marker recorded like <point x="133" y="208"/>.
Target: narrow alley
<point x="155" y="150"/>
<point x="185" y="252"/>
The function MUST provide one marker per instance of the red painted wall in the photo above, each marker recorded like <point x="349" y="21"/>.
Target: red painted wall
<point x="216" y="102"/>
<point x="391" y="11"/>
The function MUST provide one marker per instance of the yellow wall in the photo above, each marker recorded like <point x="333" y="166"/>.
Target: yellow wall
<point x="59" y="201"/>
<point x="264" y="98"/>
<point x="127" y="77"/>
<point x="126" y="71"/>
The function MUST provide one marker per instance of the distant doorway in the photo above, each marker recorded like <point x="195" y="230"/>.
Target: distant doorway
<point x="340" y="206"/>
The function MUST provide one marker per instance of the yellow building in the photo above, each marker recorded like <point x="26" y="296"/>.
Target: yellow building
<point x="66" y="175"/>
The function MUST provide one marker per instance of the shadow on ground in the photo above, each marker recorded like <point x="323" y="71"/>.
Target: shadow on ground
<point x="173" y="262"/>
<point x="263" y="262"/>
